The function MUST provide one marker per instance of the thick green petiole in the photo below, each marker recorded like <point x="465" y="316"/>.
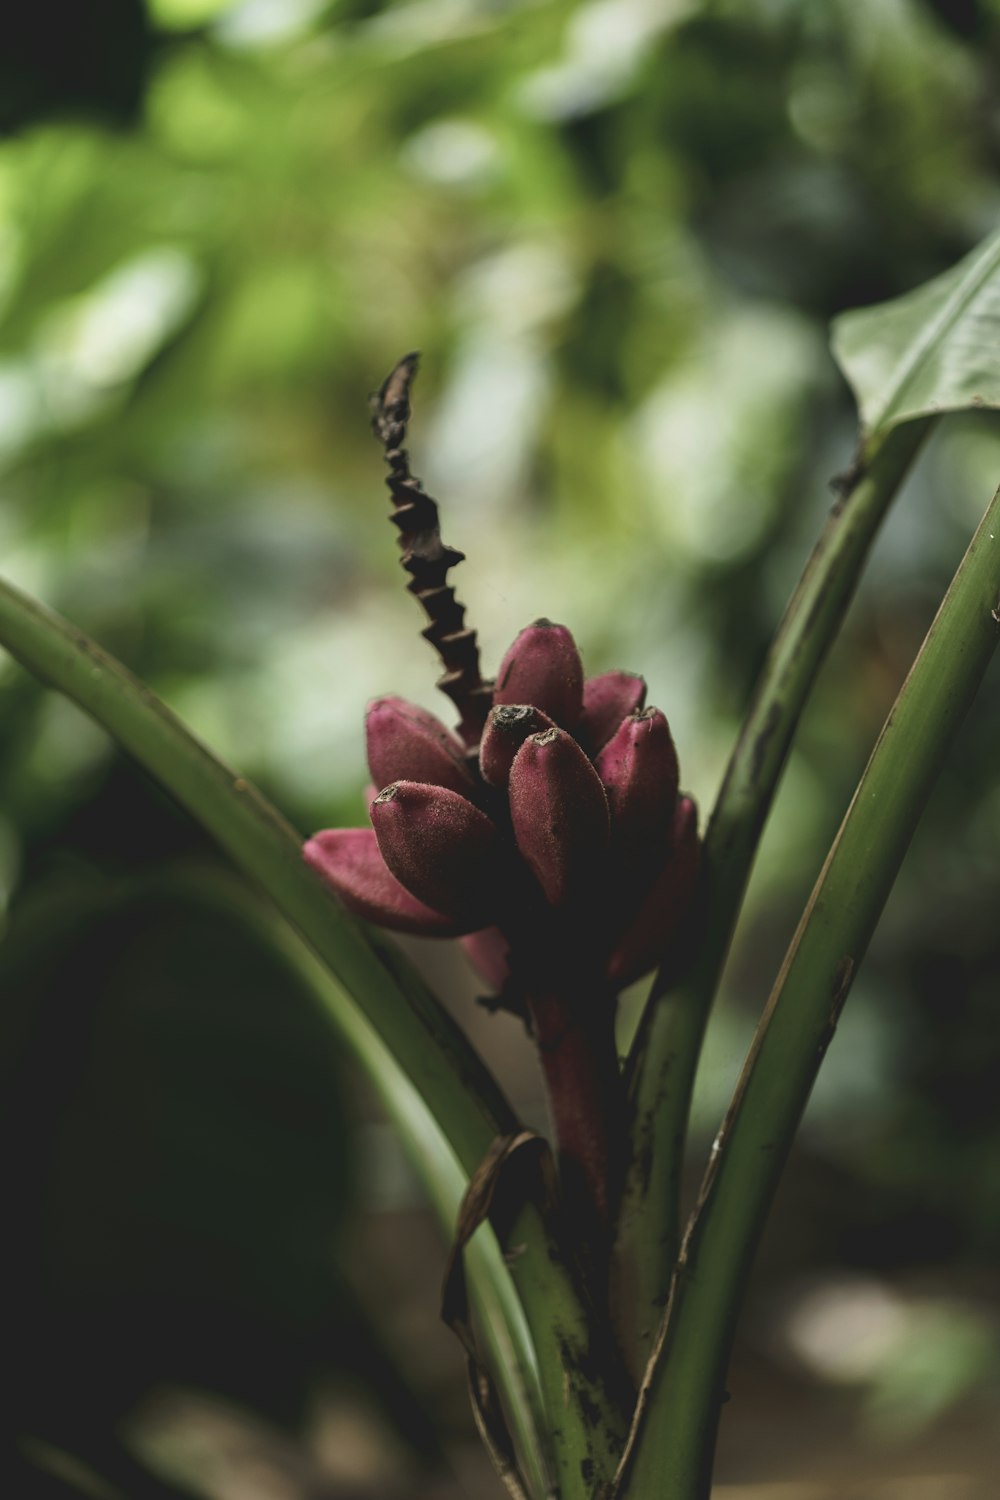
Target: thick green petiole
<point x="664" y="1059"/>
<point x="465" y="1098"/>
<point x="671" y="1448"/>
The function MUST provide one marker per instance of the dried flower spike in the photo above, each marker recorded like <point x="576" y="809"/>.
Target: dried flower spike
<point x="426" y="557"/>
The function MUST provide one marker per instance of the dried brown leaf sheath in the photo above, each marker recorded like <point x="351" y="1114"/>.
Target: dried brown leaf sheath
<point x="427" y="559"/>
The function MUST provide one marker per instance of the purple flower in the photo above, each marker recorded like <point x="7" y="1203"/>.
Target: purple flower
<point x="559" y="814"/>
<point x="547" y="833"/>
<point x="561" y="829"/>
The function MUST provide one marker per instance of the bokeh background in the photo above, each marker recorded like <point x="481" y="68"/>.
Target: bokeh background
<point x="617" y="230"/>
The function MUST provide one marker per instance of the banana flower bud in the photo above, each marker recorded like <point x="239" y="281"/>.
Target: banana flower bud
<point x="607" y="700"/>
<point x="559" y="814"/>
<point x="543" y="667"/>
<point x="439" y="846"/>
<point x="405" y="740"/>
<point x="507" y="728"/>
<point x="638" y="768"/>
<point x="662" y="916"/>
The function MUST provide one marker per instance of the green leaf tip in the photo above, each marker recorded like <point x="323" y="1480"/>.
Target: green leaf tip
<point x="936" y="349"/>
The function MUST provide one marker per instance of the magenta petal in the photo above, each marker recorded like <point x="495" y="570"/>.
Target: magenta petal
<point x="661" y="920"/>
<point x="349" y="861"/>
<point x="638" y="768"/>
<point x="405" y="742"/>
<point x="439" y="846"/>
<point x="543" y="668"/>
<point x="559" y="814"/>
<point x="507" y="728"/>
<point x="607" y="700"/>
<point x="489" y="952"/>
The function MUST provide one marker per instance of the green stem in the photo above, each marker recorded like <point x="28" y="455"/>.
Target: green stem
<point x="447" y="1075"/>
<point x="664" y="1059"/>
<point x="674" y="1434"/>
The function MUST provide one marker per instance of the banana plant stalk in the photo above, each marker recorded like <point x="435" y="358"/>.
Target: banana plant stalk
<point x="664" y="1057"/>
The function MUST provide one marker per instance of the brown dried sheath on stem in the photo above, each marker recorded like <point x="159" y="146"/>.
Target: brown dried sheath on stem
<point x="426" y="557"/>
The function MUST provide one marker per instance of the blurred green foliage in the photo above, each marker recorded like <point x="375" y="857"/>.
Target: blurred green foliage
<point x="617" y="230"/>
